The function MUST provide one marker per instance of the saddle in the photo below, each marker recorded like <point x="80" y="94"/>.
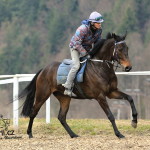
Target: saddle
<point x="64" y="69"/>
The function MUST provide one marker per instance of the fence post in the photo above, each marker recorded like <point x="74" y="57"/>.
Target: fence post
<point x="15" y="102"/>
<point x="48" y="110"/>
<point x="118" y="114"/>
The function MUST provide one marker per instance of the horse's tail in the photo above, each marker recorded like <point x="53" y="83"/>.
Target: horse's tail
<point x="29" y="92"/>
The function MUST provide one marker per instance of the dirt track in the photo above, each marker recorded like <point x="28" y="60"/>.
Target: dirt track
<point x="95" y="142"/>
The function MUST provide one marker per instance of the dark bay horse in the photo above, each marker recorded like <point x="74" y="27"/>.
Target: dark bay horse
<point x="100" y="81"/>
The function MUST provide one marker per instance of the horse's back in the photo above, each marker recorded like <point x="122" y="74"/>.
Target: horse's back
<point x="48" y="74"/>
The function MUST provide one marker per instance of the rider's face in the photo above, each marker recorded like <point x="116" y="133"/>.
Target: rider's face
<point x="97" y="25"/>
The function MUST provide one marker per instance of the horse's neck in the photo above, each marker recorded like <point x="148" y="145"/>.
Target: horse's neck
<point x="106" y="52"/>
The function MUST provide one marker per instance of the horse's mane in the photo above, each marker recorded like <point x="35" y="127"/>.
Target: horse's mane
<point x="100" y="43"/>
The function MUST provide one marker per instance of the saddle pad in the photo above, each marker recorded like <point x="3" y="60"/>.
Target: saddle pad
<point x="64" y="69"/>
<point x="79" y="76"/>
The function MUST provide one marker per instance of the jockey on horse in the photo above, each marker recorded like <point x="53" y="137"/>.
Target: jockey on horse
<point x="85" y="37"/>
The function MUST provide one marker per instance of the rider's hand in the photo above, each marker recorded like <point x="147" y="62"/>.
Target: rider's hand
<point x="88" y="56"/>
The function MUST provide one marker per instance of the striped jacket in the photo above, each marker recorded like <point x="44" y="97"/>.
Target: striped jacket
<point x="84" y="38"/>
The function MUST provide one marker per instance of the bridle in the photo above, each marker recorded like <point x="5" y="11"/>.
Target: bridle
<point x="115" y="54"/>
<point x="115" y="57"/>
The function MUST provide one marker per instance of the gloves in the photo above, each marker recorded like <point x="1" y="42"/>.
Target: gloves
<point x="88" y="56"/>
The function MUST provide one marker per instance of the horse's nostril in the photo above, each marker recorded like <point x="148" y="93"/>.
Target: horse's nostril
<point x="128" y="68"/>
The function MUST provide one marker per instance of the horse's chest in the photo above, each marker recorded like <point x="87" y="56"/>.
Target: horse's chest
<point x="112" y="83"/>
<point x="109" y="82"/>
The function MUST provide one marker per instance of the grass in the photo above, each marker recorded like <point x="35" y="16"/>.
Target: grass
<point x="84" y="127"/>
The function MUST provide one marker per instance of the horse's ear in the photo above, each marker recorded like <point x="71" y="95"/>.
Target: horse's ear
<point x="125" y="35"/>
<point x="109" y="35"/>
<point x="114" y="36"/>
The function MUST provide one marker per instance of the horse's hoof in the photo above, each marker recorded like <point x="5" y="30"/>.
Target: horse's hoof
<point x="30" y="136"/>
<point x="120" y="136"/>
<point x="74" y="136"/>
<point x="133" y="124"/>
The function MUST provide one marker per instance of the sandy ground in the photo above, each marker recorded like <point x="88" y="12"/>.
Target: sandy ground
<point x="94" y="142"/>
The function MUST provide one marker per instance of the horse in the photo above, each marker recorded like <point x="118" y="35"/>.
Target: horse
<point x="100" y="81"/>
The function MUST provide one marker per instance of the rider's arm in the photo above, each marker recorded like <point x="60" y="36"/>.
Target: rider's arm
<point x="78" y="39"/>
<point x="98" y="43"/>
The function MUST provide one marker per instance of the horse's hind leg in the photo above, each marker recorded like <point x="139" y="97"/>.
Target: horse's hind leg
<point x="40" y="97"/>
<point x="64" y="107"/>
<point x="103" y="103"/>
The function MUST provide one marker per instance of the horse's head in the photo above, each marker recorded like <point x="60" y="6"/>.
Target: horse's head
<point x="120" y="53"/>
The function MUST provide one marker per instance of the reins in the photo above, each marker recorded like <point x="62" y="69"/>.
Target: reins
<point x="105" y="61"/>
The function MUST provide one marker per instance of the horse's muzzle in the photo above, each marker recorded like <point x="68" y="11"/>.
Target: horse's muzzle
<point x="128" y="68"/>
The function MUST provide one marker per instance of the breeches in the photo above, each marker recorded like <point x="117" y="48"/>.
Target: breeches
<point x="76" y="65"/>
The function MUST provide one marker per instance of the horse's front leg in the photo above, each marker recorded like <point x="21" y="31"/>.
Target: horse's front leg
<point x="103" y="103"/>
<point x="120" y="95"/>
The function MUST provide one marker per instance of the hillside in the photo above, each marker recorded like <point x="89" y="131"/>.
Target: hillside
<point x="34" y="33"/>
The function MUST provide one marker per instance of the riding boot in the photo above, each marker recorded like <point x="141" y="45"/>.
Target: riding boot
<point x="68" y="91"/>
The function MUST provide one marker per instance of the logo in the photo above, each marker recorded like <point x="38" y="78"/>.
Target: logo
<point x="4" y="131"/>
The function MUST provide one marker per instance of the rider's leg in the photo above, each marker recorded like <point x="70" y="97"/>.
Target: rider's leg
<point x="72" y="72"/>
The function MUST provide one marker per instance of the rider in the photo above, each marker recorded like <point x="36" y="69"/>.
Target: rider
<point x="82" y="43"/>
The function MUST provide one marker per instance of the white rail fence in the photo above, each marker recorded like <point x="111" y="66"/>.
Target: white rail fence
<point x="15" y="79"/>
